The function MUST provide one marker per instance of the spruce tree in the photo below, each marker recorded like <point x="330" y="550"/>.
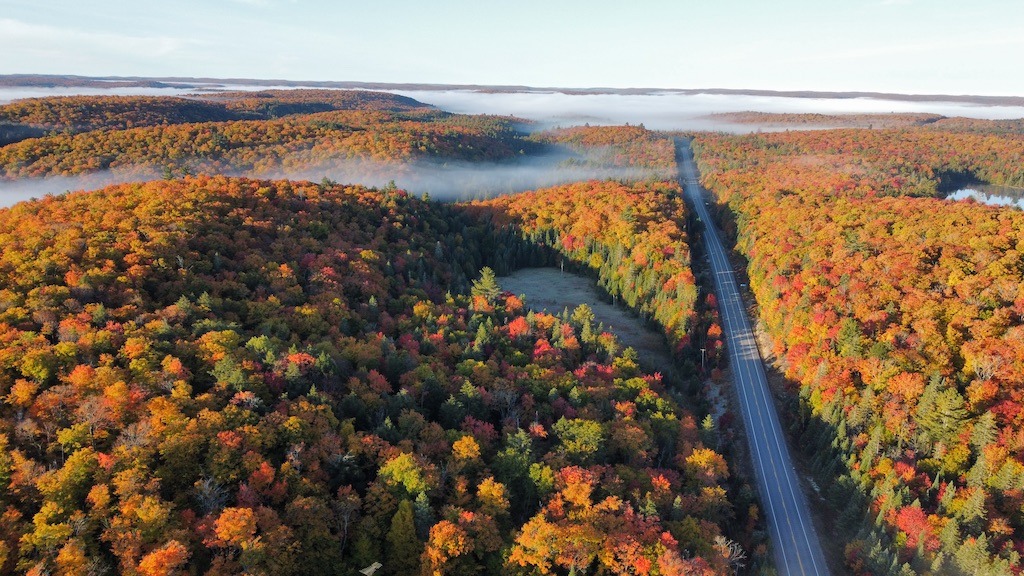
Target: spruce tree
<point x="403" y="547"/>
<point x="487" y="285"/>
<point x="423" y="516"/>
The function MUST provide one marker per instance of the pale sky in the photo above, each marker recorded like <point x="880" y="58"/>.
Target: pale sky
<point x="908" y="46"/>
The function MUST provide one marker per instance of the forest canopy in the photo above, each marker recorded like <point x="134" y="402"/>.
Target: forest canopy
<point x="901" y="318"/>
<point x="217" y="375"/>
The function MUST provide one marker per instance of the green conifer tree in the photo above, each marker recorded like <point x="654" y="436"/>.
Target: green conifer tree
<point x="487" y="285"/>
<point x="403" y="547"/>
<point x="423" y="516"/>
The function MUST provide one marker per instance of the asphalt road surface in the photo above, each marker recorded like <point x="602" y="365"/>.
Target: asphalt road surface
<point x="795" y="543"/>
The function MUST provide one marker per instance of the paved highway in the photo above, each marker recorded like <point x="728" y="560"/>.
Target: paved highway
<point x="795" y="544"/>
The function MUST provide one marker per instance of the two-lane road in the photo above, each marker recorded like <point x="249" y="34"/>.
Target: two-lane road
<point x="795" y="543"/>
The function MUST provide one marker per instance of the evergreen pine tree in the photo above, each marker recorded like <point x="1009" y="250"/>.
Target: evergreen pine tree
<point x="483" y="338"/>
<point x="403" y="547"/>
<point x="984" y="431"/>
<point x="364" y="551"/>
<point x="424" y="516"/>
<point x="487" y="285"/>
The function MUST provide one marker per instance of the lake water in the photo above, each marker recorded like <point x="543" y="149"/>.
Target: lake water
<point x="992" y="195"/>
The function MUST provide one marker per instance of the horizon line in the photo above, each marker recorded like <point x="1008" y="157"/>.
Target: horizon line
<point x="40" y="81"/>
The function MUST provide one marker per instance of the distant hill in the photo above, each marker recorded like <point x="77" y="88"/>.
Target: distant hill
<point x="42" y="80"/>
<point x="308" y="142"/>
<point x="803" y="121"/>
<point x="67" y="115"/>
<point x="55" y="81"/>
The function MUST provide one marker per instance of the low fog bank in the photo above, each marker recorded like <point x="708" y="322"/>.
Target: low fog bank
<point x="657" y="111"/>
<point x="9" y="94"/>
<point x="673" y="111"/>
<point x="446" y="181"/>
<point x="14" y="191"/>
<point x="455" y="181"/>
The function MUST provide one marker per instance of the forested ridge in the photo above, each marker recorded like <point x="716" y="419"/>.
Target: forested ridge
<point x="302" y="134"/>
<point x="623" y="146"/>
<point x="293" y="143"/>
<point x="74" y="114"/>
<point x="900" y="317"/>
<point x="811" y="120"/>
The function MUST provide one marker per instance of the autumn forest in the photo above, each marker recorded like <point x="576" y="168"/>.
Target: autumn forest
<point x="214" y="366"/>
